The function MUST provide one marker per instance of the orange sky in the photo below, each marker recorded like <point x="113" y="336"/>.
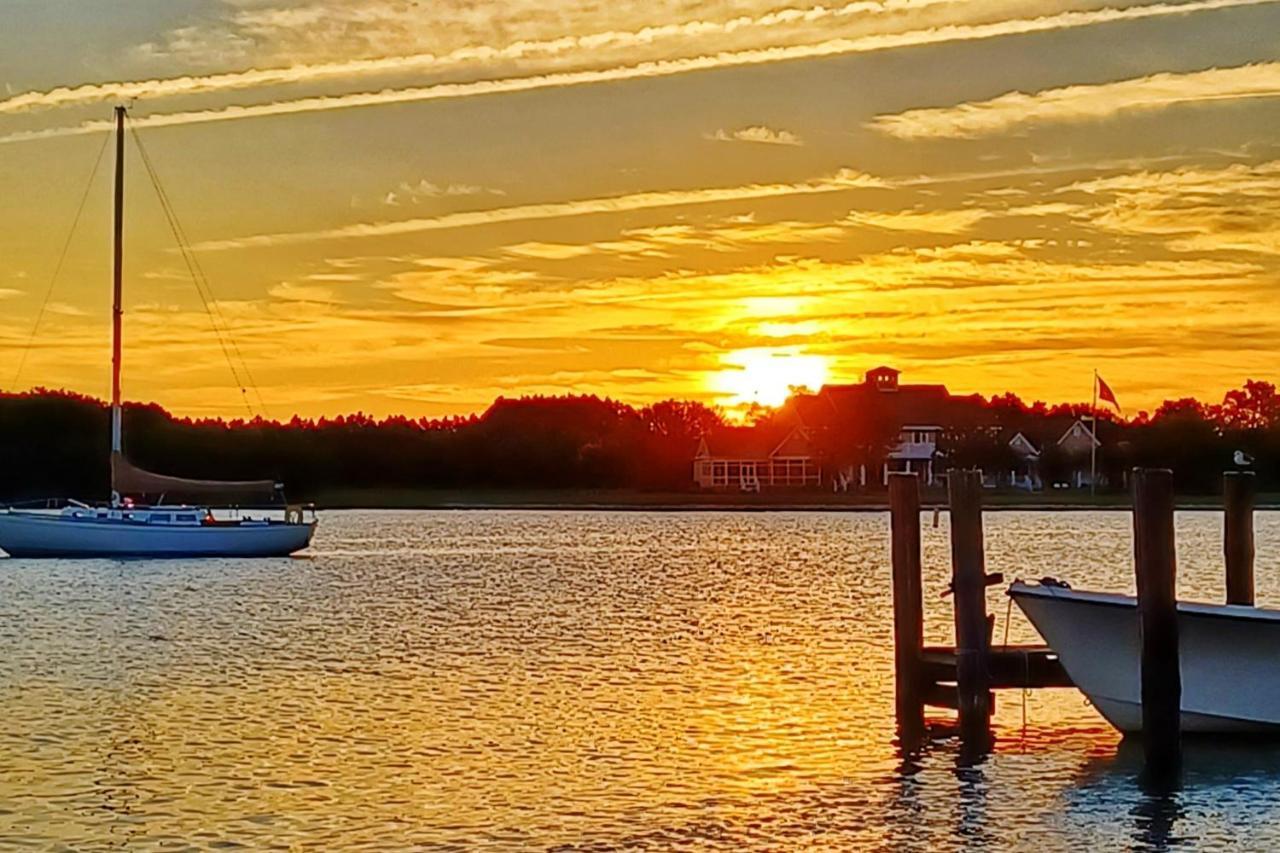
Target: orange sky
<point x="403" y="212"/>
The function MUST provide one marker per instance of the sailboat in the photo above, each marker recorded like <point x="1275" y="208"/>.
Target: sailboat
<point x="123" y="528"/>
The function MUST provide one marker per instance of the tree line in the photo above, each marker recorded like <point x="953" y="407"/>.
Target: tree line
<point x="1198" y="441"/>
<point x="55" y="444"/>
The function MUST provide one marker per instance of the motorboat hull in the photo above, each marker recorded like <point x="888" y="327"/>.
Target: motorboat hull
<point x="1229" y="658"/>
<point x="31" y="534"/>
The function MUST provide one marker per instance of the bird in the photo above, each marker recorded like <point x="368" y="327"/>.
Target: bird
<point x="1242" y="459"/>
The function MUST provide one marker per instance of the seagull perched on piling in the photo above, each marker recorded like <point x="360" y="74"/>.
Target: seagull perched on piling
<point x="1242" y="459"/>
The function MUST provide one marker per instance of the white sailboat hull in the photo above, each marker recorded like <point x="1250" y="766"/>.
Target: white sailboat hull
<point x="1229" y="657"/>
<point x="33" y="534"/>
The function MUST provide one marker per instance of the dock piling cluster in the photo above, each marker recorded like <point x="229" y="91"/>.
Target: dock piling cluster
<point x="962" y="677"/>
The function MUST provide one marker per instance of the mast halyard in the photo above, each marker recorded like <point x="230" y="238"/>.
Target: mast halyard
<point x="117" y="310"/>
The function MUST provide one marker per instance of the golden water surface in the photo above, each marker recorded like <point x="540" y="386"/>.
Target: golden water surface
<point x="571" y="680"/>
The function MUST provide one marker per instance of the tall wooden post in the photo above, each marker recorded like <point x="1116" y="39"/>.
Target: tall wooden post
<point x="1239" y="488"/>
<point x="1156" y="565"/>
<point x="969" y="583"/>
<point x="908" y="602"/>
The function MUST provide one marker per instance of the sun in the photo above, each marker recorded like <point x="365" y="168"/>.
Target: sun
<point x="766" y="376"/>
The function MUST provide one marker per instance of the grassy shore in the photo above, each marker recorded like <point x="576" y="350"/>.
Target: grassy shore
<point x="568" y="499"/>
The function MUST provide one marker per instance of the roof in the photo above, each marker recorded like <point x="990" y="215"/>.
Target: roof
<point x="753" y="442"/>
<point x="908" y="404"/>
<point x="1016" y="438"/>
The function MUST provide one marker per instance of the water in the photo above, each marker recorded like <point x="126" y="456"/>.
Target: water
<point x="575" y="680"/>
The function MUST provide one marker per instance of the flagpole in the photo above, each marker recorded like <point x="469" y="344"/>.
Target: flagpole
<point x="1093" y="434"/>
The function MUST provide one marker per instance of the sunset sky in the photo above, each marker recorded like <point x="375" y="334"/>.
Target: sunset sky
<point x="418" y="206"/>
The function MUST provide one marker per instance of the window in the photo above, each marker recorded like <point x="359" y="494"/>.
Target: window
<point x="160" y="518"/>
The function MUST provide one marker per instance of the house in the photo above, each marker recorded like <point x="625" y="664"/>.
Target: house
<point x="1062" y="454"/>
<point x="749" y="459"/>
<point x="878" y="426"/>
<point x="1078" y="445"/>
<point x="853" y="436"/>
<point x="1025" y="472"/>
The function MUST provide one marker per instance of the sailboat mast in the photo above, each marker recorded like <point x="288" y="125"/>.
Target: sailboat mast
<point x="117" y="311"/>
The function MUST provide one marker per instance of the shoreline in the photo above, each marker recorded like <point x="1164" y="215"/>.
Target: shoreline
<point x="635" y="501"/>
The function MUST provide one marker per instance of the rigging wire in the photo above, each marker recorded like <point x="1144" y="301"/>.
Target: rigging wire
<point x="62" y="260"/>
<point x="214" y="311"/>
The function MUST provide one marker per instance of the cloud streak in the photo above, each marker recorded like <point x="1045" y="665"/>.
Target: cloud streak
<point x="425" y="62"/>
<point x="643" y="70"/>
<point x="1018" y="110"/>
<point x="759" y="134"/>
<point x="845" y="179"/>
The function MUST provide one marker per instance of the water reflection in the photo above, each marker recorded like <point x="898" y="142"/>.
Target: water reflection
<point x="1228" y="794"/>
<point x="566" y="680"/>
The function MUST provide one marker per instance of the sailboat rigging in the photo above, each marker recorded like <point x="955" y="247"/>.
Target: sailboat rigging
<point x="123" y="528"/>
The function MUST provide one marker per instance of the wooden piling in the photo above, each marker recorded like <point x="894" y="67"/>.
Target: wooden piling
<point x="908" y="601"/>
<point x="1239" y="488"/>
<point x="969" y="584"/>
<point x="1155" y="564"/>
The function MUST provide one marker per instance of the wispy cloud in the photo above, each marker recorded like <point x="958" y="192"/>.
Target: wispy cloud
<point x="924" y="221"/>
<point x="666" y="241"/>
<point x="845" y="179"/>
<point x="758" y="133"/>
<point x="1019" y="110"/>
<point x="306" y="293"/>
<point x="275" y="23"/>
<point x="1234" y="208"/>
<point x="408" y="193"/>
<point x="650" y="69"/>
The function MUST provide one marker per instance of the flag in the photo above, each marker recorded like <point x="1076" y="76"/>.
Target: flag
<point x="1106" y="394"/>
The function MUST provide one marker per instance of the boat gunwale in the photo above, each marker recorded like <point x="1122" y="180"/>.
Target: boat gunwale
<point x="1111" y="599"/>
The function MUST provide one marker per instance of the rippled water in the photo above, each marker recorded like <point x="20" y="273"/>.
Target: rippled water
<point x="574" y="680"/>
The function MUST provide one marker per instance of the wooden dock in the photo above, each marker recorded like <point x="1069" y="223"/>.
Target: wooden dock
<point x="964" y="677"/>
<point x="961" y="677"/>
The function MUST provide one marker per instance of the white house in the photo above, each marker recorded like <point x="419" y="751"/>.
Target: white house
<point x="1079" y="444"/>
<point x="1026" y="474"/>
<point x="749" y="459"/>
<point x="916" y="451"/>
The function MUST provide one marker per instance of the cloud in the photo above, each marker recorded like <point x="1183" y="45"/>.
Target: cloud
<point x="925" y="221"/>
<point x="423" y="189"/>
<point x="642" y="70"/>
<point x="665" y="241"/>
<point x="843" y="180"/>
<point x="306" y="293"/>
<point x="977" y="312"/>
<point x="393" y="37"/>
<point x="550" y="251"/>
<point x="1234" y="208"/>
<point x="64" y="309"/>
<point x="758" y="133"/>
<point x="1018" y="110"/>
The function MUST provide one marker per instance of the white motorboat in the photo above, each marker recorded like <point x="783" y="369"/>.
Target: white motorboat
<point x="1227" y="654"/>
<point x="128" y="529"/>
